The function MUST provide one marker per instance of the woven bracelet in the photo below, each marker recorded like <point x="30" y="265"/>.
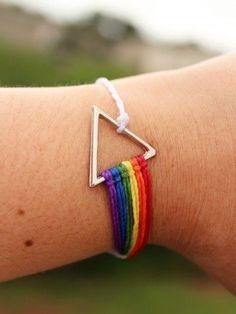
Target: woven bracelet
<point x="128" y="184"/>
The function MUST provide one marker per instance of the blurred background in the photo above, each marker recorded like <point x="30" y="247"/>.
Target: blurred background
<point x="59" y="42"/>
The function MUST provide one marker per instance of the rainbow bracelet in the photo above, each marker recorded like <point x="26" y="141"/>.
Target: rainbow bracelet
<point x="129" y="186"/>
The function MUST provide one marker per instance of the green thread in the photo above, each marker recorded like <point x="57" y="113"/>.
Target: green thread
<point x="126" y="182"/>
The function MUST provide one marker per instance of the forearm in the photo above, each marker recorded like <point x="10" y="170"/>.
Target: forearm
<point x="49" y="215"/>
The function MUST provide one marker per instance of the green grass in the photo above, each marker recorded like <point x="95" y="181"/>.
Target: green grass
<point x="166" y="284"/>
<point x="117" y="294"/>
<point x="23" y="67"/>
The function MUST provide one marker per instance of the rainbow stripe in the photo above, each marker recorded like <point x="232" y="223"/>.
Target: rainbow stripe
<point x="129" y="187"/>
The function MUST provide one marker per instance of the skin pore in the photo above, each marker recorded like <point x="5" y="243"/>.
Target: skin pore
<point x="50" y="217"/>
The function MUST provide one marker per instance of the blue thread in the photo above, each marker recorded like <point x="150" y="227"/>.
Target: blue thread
<point x="121" y="200"/>
<point x="115" y="209"/>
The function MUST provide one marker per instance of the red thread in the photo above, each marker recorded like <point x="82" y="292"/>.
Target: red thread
<point x="147" y="180"/>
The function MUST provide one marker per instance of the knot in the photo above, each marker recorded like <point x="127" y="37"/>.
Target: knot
<point x="135" y="164"/>
<point x="108" y="177"/>
<point x="142" y="162"/>
<point x="123" y="171"/>
<point x="131" y="172"/>
<point x="115" y="174"/>
<point x="123" y="120"/>
<point x="137" y="168"/>
<point x="124" y="174"/>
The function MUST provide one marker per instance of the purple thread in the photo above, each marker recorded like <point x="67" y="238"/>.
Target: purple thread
<point x="120" y="193"/>
<point x="114" y="207"/>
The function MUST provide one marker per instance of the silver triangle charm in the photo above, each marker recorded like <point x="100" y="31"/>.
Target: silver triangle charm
<point x="97" y="113"/>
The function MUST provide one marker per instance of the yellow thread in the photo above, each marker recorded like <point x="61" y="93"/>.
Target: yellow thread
<point x="135" y="202"/>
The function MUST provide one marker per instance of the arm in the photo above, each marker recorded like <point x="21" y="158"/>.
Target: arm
<point x="49" y="216"/>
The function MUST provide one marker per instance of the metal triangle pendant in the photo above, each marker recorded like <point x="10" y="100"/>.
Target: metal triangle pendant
<point x="94" y="178"/>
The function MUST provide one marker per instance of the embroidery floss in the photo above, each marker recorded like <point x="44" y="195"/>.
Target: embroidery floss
<point x="129" y="192"/>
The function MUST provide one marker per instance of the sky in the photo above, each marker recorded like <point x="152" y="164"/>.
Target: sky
<point x="210" y="23"/>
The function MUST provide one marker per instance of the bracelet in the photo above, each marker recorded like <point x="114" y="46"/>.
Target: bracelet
<point x="128" y="184"/>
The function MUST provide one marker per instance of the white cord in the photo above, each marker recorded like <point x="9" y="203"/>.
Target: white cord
<point x="123" y="118"/>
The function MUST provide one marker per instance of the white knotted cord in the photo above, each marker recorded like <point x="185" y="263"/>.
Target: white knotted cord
<point x="123" y="118"/>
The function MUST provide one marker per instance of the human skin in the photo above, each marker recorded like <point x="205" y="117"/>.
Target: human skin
<point x="49" y="215"/>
